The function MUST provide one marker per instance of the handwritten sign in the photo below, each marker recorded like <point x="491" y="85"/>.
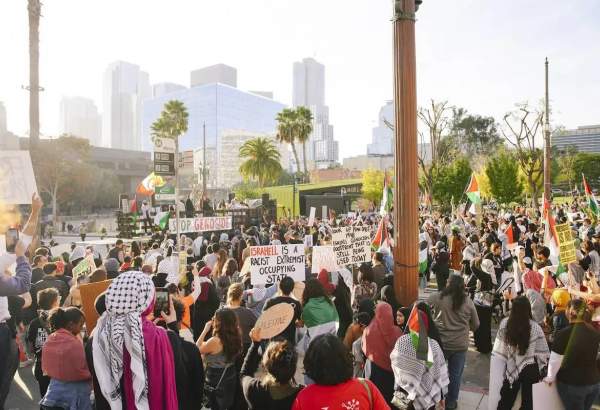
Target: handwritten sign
<point x="213" y="223"/>
<point x="567" y="250"/>
<point x="17" y="182"/>
<point x="351" y="244"/>
<point x="84" y="268"/>
<point x="270" y="264"/>
<point x="275" y="320"/>
<point x="89" y="293"/>
<point x="323" y="257"/>
<point x="311" y="217"/>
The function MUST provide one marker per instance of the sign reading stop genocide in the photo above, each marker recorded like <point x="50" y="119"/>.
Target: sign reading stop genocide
<point x="270" y="264"/>
<point x="213" y="223"/>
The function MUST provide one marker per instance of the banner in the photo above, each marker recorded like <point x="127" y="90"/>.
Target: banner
<point x="203" y="224"/>
<point x="351" y="244"/>
<point x="270" y="264"/>
<point x="86" y="267"/>
<point x="323" y="257"/>
<point x="567" y="250"/>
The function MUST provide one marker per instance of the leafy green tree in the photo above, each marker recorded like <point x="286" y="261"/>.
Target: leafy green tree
<point x="173" y="121"/>
<point x="372" y="185"/>
<point x="285" y="131"/>
<point x="451" y="180"/>
<point x="587" y="163"/>
<point x="262" y="160"/>
<point x="474" y="134"/>
<point x="302" y="129"/>
<point x="249" y="190"/>
<point x="502" y="171"/>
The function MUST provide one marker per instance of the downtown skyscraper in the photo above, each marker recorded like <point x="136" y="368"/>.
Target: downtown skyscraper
<point x="124" y="89"/>
<point x="309" y="91"/>
<point x="79" y="117"/>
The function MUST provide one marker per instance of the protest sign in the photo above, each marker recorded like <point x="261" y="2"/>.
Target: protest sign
<point x="275" y="320"/>
<point x="567" y="250"/>
<point x="201" y="224"/>
<point x="84" y="268"/>
<point x="17" y="182"/>
<point x="351" y="244"/>
<point x="182" y="262"/>
<point x="89" y="292"/>
<point x="311" y="217"/>
<point x="270" y="264"/>
<point x="324" y="214"/>
<point x="323" y="257"/>
<point x="545" y="397"/>
<point x="298" y="290"/>
<point x="308" y="241"/>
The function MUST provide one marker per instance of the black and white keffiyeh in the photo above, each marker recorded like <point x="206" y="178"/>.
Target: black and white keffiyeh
<point x="425" y="385"/>
<point x="128" y="296"/>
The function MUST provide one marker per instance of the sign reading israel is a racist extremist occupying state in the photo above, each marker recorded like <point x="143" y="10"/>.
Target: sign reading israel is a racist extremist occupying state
<point x="351" y="244"/>
<point x="270" y="264"/>
<point x="204" y="224"/>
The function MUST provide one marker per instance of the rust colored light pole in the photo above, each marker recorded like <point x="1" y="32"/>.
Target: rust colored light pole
<point x="406" y="252"/>
<point x="547" y="142"/>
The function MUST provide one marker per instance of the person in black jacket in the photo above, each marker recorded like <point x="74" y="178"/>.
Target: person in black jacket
<point x="206" y="305"/>
<point x="441" y="265"/>
<point x="277" y="390"/>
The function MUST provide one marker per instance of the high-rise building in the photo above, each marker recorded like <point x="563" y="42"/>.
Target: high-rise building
<point x="383" y="137"/>
<point x="125" y="87"/>
<point x="218" y="73"/>
<point x="220" y="108"/>
<point x="585" y="138"/>
<point x="309" y="91"/>
<point x="166" y="88"/>
<point x="3" y="125"/>
<point x="79" y="117"/>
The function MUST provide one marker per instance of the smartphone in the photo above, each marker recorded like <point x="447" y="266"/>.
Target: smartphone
<point x="12" y="237"/>
<point x="162" y="302"/>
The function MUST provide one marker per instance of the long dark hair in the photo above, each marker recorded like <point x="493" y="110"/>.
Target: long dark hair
<point x="227" y="329"/>
<point x="61" y="318"/>
<point x="455" y="289"/>
<point x="313" y="289"/>
<point x="518" y="326"/>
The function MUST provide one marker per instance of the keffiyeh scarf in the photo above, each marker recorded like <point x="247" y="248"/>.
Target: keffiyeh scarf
<point x="128" y="296"/>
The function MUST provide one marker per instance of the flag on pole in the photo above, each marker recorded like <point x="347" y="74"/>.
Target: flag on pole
<point x="387" y="199"/>
<point x="511" y="242"/>
<point x="133" y="207"/>
<point x="381" y="236"/>
<point x="146" y="187"/>
<point x="591" y="199"/>
<point x="162" y="219"/>
<point x="473" y="190"/>
<point x="419" y="337"/>
<point x="423" y="253"/>
<point x="550" y="235"/>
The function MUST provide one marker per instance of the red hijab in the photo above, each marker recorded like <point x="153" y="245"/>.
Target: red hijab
<point x="204" y="272"/>
<point x="323" y="277"/>
<point x="380" y="336"/>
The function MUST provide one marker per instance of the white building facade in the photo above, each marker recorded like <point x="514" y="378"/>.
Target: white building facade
<point x="383" y="137"/>
<point x="79" y="117"/>
<point x="125" y="87"/>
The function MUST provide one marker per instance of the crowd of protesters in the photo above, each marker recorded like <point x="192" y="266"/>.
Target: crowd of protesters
<point x="351" y="343"/>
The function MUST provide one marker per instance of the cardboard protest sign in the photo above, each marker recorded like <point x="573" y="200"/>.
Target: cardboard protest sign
<point x="567" y="250"/>
<point x="311" y="217"/>
<point x="203" y="224"/>
<point x="275" y="320"/>
<point x="351" y="244"/>
<point x="89" y="292"/>
<point x="17" y="182"/>
<point x="84" y="268"/>
<point x="323" y="257"/>
<point x="270" y="264"/>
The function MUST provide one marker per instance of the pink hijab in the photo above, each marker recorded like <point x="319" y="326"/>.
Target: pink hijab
<point x="380" y="336"/>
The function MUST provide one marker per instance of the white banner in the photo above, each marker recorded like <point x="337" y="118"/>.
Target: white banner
<point x="351" y="244"/>
<point x="17" y="182"/>
<point x="270" y="264"/>
<point x="323" y="257"/>
<point x="212" y="223"/>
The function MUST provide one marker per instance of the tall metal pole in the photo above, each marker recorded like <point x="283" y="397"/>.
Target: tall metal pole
<point x="34" y="8"/>
<point x="177" y="193"/>
<point x="203" y="162"/>
<point x="406" y="252"/>
<point x="547" y="144"/>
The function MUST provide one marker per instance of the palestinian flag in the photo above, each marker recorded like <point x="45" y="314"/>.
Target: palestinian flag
<point x="473" y="190"/>
<point x="146" y="187"/>
<point x="550" y="235"/>
<point x="381" y="236"/>
<point x="592" y="202"/>
<point x="423" y="253"/>
<point x="387" y="199"/>
<point x="162" y="219"/>
<point x="418" y="335"/>
<point x="511" y="242"/>
<point x="133" y="209"/>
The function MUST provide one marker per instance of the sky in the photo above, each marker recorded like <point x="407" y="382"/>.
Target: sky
<point x="483" y="55"/>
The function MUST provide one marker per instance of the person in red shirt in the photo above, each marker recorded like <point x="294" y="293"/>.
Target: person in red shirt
<point x="328" y="362"/>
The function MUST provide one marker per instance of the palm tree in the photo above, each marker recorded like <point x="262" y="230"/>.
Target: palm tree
<point x="303" y="129"/>
<point x="262" y="160"/>
<point x="173" y="121"/>
<point x="34" y="10"/>
<point x="285" y="130"/>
